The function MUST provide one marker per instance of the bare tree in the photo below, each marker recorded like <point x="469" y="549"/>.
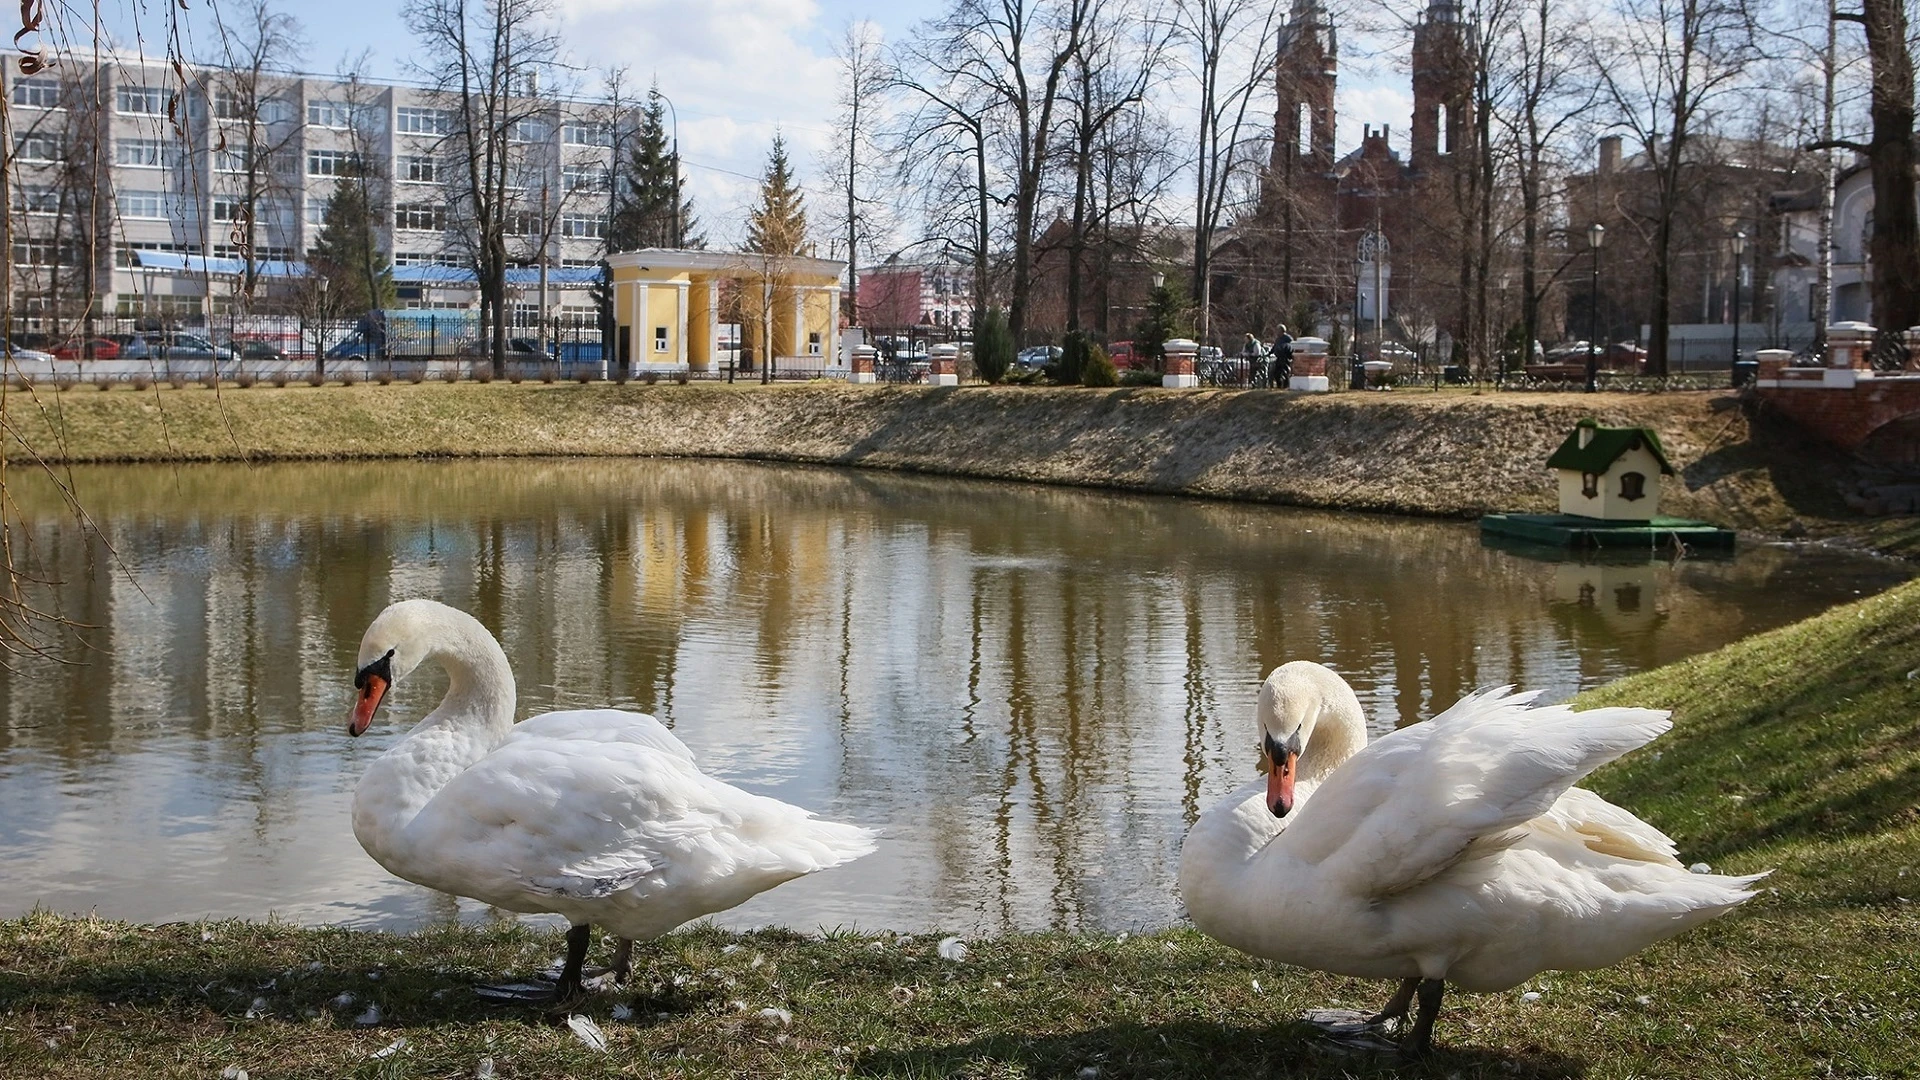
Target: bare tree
<point x="1232" y="59"/>
<point x="486" y="56"/>
<point x="255" y="130"/>
<point x="1665" y="68"/>
<point x="857" y="214"/>
<point x="1894" y="245"/>
<point x="941" y="145"/>
<point x="1010" y="57"/>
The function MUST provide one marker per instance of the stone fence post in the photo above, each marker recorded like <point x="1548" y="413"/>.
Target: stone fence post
<point x="863" y="357"/>
<point x="1847" y="345"/>
<point x="943" y="365"/>
<point x="1309" y="365"/>
<point x="1180" y="353"/>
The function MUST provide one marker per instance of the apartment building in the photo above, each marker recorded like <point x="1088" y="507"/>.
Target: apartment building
<point x="137" y="197"/>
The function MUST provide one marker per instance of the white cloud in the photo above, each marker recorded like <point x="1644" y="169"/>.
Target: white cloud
<point x="735" y="70"/>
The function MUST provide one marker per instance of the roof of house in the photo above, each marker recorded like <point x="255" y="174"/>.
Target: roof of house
<point x="1606" y="446"/>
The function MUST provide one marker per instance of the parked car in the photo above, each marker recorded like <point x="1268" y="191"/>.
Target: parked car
<point x="1123" y="356"/>
<point x="176" y="346"/>
<point x="1035" y="357"/>
<point x="95" y="348"/>
<point x="518" y="348"/>
<point x="13" y="350"/>
<point x="257" y="348"/>
<point x="1625" y="355"/>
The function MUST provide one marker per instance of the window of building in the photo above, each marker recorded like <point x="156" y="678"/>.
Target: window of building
<point x="584" y="227"/>
<point x="148" y="205"/>
<point x="38" y="146"/>
<point x="1305" y="127"/>
<point x="229" y="208"/>
<point x="579" y="264"/>
<point x="1442" y="135"/>
<point x="1589" y="484"/>
<point x="329" y="114"/>
<point x="41" y="93"/>
<point x="31" y="252"/>
<point x="418" y="169"/>
<point x="591" y="177"/>
<point x="146" y="153"/>
<point x="233" y="159"/>
<point x="228" y="105"/>
<point x="413" y="120"/>
<point x="420" y="217"/>
<point x="813" y="343"/>
<point x="579" y="317"/>
<point x="659" y="339"/>
<point x="1633" y="486"/>
<point x="330" y="163"/>
<point x="35" y="200"/>
<point x="582" y="133"/>
<point x="133" y="99"/>
<point x="528" y="129"/>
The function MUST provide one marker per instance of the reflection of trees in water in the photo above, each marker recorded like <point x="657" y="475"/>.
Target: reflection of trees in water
<point x="1034" y="690"/>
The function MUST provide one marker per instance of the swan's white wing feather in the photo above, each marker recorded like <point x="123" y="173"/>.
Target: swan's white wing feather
<point x="602" y="726"/>
<point x="1413" y="802"/>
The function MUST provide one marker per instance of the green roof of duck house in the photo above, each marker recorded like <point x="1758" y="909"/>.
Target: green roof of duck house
<point x="1605" y="447"/>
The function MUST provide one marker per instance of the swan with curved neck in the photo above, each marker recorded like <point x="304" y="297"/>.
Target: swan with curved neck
<point x="599" y="815"/>
<point x="1452" y="851"/>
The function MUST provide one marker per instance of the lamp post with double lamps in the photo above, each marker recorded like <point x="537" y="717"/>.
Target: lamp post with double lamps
<point x="1739" y="249"/>
<point x="1596" y="235"/>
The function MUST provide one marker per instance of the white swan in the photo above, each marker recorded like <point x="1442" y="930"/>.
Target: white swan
<point x="598" y="815"/>
<point x="1451" y="851"/>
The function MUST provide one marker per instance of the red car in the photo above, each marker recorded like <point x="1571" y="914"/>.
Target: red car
<point x="90" y="349"/>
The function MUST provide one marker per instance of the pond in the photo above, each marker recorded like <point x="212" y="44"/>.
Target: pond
<point x="1032" y="691"/>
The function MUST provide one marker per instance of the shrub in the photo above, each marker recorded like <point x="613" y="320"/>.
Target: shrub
<point x="650" y="377"/>
<point x="993" y="346"/>
<point x="178" y="382"/>
<point x="548" y="373"/>
<point x="682" y="377"/>
<point x="483" y="375"/>
<point x="348" y="378"/>
<point x="211" y="382"/>
<point x="384" y="376"/>
<point x="417" y="375"/>
<point x="141" y="382"/>
<point x="103" y="383"/>
<point x="280" y="380"/>
<point x="1139" y="377"/>
<point x="1098" y="370"/>
<point x="1075" y="349"/>
<point x="63" y="384"/>
<point x="452" y="374"/>
<point x="316" y="380"/>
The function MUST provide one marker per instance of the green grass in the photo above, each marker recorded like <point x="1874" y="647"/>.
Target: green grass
<point x="1797" y="749"/>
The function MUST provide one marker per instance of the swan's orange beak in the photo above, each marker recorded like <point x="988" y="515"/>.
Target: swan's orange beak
<point x="1280" y="783"/>
<point x="372" y="682"/>
<point x="372" y="689"/>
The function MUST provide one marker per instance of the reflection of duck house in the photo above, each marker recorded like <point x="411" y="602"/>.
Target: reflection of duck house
<point x="1622" y="595"/>
<point x="1610" y="480"/>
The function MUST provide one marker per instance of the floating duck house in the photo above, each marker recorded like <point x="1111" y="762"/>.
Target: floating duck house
<point x="1610" y="480"/>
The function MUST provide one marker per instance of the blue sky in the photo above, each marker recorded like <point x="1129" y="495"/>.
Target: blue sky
<point x="735" y="70"/>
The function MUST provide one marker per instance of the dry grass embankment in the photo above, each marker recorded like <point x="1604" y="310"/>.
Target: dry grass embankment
<point x="1417" y="452"/>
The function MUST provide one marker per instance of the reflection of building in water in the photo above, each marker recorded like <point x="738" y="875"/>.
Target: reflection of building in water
<point x="1625" y="596"/>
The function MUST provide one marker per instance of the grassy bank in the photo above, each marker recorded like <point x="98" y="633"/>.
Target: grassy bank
<point x="1418" y="452"/>
<point x="1794" y="749"/>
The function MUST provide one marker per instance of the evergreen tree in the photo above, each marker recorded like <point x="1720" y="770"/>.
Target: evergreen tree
<point x="346" y="249"/>
<point x="643" y="211"/>
<point x="778" y="226"/>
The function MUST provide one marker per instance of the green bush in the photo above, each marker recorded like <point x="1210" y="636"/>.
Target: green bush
<point x="1098" y="370"/>
<point x="993" y="346"/>
<point x="1140" y="377"/>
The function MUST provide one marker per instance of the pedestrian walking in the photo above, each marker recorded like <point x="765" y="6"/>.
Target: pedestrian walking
<point x="1251" y="352"/>
<point x="1282" y="357"/>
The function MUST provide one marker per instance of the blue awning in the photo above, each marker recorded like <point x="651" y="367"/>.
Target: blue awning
<point x="461" y="277"/>
<point x="178" y="263"/>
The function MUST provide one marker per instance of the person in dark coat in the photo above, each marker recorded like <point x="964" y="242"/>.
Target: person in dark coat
<point x="1282" y="357"/>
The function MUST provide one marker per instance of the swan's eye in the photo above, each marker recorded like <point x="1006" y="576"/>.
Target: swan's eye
<point x="382" y="667"/>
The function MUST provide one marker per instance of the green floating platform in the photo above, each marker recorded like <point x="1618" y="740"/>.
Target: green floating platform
<point x="1568" y="530"/>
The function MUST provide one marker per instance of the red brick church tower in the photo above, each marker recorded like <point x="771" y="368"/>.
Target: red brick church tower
<point x="1296" y="198"/>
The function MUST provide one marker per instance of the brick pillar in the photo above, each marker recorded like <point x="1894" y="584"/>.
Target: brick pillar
<point x="1772" y="363"/>
<point x="1180" y="373"/>
<point x="1913" y="348"/>
<point x="1847" y="344"/>
<point x="1310" y="365"/>
<point x="942" y="364"/>
<point x="863" y="364"/>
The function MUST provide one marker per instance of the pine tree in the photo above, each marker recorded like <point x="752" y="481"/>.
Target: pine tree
<point x="778" y="226"/>
<point x="643" y="214"/>
<point x="345" y="250"/>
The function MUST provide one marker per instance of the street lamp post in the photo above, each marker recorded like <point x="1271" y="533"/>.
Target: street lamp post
<point x="673" y="155"/>
<point x="319" y="333"/>
<point x="1739" y="249"/>
<point x="1596" y="235"/>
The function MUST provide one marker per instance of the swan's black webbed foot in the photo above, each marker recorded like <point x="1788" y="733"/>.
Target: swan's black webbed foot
<point x="1420" y="1041"/>
<point x="1396" y="1006"/>
<point x="622" y="960"/>
<point x="541" y="991"/>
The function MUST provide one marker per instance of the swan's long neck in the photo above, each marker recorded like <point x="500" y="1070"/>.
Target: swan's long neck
<point x="472" y="719"/>
<point x="1340" y="733"/>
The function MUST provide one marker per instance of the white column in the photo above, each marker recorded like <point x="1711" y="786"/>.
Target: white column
<point x="680" y="335"/>
<point x="832" y="346"/>
<point x="713" y="324"/>
<point x="642" y="332"/>
<point x="800" y="319"/>
<point x="636" y="313"/>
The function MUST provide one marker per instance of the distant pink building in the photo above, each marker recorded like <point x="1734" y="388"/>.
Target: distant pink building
<point x="896" y="295"/>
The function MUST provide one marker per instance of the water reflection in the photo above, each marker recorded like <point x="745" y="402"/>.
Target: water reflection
<point x="1032" y="690"/>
